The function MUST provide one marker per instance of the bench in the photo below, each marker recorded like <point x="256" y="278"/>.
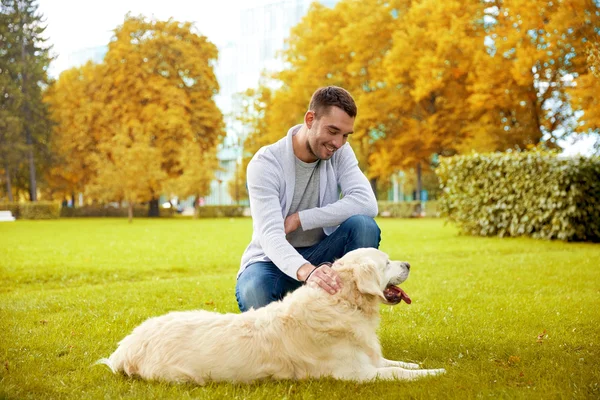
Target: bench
<point x="6" y="216"/>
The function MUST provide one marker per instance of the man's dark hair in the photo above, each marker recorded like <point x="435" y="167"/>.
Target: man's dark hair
<point x="326" y="97"/>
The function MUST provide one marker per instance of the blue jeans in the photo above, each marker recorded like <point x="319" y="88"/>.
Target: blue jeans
<point x="262" y="282"/>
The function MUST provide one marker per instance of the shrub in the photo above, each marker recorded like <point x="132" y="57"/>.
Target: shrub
<point x="532" y="194"/>
<point x="100" y="210"/>
<point x="407" y="209"/>
<point x="220" y="211"/>
<point x="39" y="210"/>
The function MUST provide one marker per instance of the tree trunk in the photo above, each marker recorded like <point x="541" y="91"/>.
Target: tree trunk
<point x="237" y="189"/>
<point x="73" y="199"/>
<point x="196" y="205"/>
<point x="8" y="184"/>
<point x="419" y="182"/>
<point x="27" y="117"/>
<point x="373" y="182"/>
<point x="153" y="209"/>
<point x="130" y="211"/>
<point x="32" y="180"/>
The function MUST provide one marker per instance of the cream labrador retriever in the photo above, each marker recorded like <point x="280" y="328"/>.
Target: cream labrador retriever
<point x="308" y="334"/>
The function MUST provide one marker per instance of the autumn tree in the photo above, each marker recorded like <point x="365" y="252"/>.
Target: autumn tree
<point x="369" y="49"/>
<point x="251" y="116"/>
<point x="237" y="186"/>
<point x="76" y="105"/>
<point x="425" y="88"/>
<point x="532" y="75"/>
<point x="325" y="48"/>
<point x="439" y="78"/>
<point x="585" y="95"/>
<point x="594" y="59"/>
<point x="147" y="122"/>
<point x="25" y="59"/>
<point x="252" y="130"/>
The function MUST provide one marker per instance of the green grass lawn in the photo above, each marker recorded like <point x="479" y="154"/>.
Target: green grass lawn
<point x="507" y="318"/>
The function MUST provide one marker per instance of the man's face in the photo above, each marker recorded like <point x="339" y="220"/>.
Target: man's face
<point x="329" y="132"/>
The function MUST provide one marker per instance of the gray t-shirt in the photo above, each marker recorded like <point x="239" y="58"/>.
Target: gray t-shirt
<point x="306" y="196"/>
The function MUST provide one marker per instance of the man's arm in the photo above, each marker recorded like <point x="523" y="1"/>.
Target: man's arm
<point x="358" y="197"/>
<point x="263" y="189"/>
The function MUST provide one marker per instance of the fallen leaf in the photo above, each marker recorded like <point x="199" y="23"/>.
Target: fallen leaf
<point x="541" y="336"/>
<point x="514" y="360"/>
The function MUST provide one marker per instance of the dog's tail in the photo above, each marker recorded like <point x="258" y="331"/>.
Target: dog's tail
<point x="122" y="359"/>
<point x="116" y="361"/>
<point x="107" y="362"/>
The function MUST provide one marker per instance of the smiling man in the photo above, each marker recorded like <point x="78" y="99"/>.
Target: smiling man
<point x="300" y="221"/>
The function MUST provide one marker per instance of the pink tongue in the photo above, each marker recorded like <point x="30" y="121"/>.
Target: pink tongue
<point x="394" y="293"/>
<point x="404" y="296"/>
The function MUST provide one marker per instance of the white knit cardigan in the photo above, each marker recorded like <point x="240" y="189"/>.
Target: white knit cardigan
<point x="271" y="179"/>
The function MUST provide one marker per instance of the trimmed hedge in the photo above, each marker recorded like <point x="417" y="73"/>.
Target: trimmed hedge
<point x="39" y="210"/>
<point x="220" y="211"/>
<point x="407" y="209"/>
<point x="139" y="211"/>
<point x="532" y="194"/>
<point x="102" y="211"/>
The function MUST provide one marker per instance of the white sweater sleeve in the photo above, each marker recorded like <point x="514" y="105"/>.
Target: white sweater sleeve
<point x="358" y="197"/>
<point x="264" y="188"/>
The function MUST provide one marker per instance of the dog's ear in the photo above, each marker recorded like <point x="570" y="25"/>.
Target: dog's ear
<point x="368" y="277"/>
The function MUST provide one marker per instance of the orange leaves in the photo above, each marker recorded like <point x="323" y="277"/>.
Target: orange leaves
<point x="145" y="117"/>
<point x="593" y="59"/>
<point x="584" y="91"/>
<point x="441" y="77"/>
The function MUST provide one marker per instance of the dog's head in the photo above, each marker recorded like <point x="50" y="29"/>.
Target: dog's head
<point x="375" y="274"/>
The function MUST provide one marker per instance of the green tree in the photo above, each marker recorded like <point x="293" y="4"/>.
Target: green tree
<point x="11" y="145"/>
<point x="26" y="59"/>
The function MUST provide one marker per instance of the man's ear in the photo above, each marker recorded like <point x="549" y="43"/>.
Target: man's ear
<point x="309" y="118"/>
<point x="368" y="278"/>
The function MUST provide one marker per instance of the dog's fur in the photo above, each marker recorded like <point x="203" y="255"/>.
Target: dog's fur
<point x="310" y="333"/>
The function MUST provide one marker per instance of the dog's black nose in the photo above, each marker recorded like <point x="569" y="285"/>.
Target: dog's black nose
<point x="407" y="265"/>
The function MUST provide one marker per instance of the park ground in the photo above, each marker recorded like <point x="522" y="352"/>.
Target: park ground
<point x="507" y="318"/>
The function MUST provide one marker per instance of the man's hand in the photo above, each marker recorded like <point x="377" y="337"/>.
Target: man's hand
<point x="291" y="223"/>
<point x="323" y="276"/>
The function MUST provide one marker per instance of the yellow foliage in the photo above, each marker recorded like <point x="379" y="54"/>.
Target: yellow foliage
<point x="433" y="77"/>
<point x="585" y="92"/>
<point x="143" y="121"/>
<point x="237" y="186"/>
<point x="75" y="135"/>
<point x="522" y="91"/>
